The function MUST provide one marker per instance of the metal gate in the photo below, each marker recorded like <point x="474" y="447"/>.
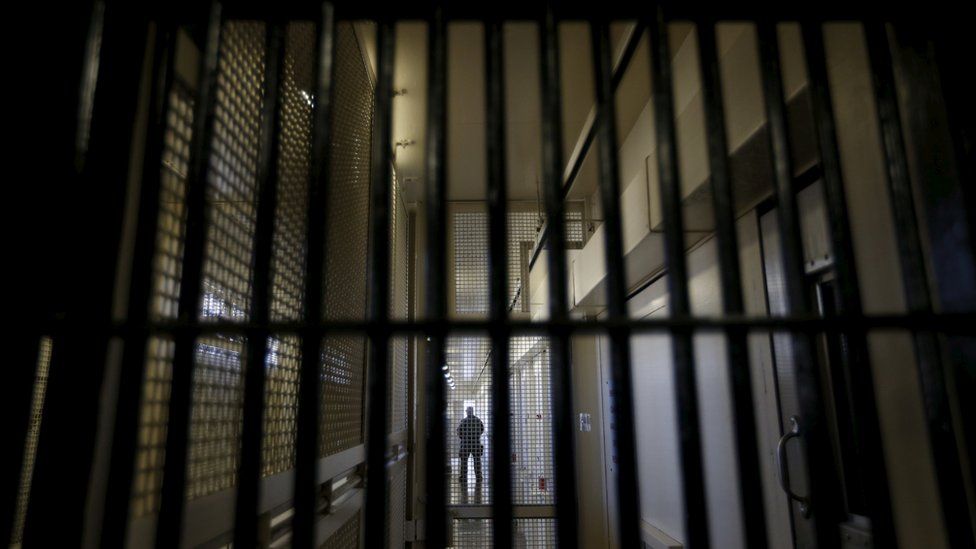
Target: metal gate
<point x="254" y="320"/>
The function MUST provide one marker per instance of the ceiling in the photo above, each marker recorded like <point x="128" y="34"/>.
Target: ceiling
<point x="466" y="147"/>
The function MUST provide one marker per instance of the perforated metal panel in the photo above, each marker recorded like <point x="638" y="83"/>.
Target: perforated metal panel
<point x="469" y="364"/>
<point x="215" y="422"/>
<point x="231" y="199"/>
<point x="530" y="386"/>
<point x="346" y="537"/>
<point x="346" y="262"/>
<point x="397" y="486"/>
<point x="527" y="533"/>
<point x="468" y="450"/>
<point x="33" y="430"/>
<point x="288" y="249"/>
<point x="399" y="306"/>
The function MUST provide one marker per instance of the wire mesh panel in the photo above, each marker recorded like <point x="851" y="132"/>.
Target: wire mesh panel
<point x="532" y="457"/>
<point x="399" y="308"/>
<point x="469" y="429"/>
<point x="397" y="487"/>
<point x="344" y="357"/>
<point x="232" y="205"/>
<point x="289" y="248"/>
<point x="528" y="533"/>
<point x="33" y="430"/>
<point x="346" y="537"/>
<point x="468" y="363"/>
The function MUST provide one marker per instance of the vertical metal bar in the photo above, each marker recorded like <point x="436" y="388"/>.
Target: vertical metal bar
<point x="825" y="501"/>
<point x="90" y="235"/>
<point x="436" y="268"/>
<point x="628" y="497"/>
<point x="40" y="243"/>
<point x="498" y="265"/>
<point x="172" y="499"/>
<point x="17" y="403"/>
<point x="564" y="454"/>
<point x="723" y="203"/>
<point x="871" y="461"/>
<point x="686" y="386"/>
<point x="132" y="374"/>
<point x="379" y="283"/>
<point x="942" y="438"/>
<point x="249" y="472"/>
<point x="307" y="437"/>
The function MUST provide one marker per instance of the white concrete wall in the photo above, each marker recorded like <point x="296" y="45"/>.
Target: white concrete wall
<point x="910" y="468"/>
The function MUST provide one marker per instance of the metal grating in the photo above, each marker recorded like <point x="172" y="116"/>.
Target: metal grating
<point x="215" y="423"/>
<point x="529" y="367"/>
<point x="527" y="533"/>
<point x="152" y="427"/>
<point x="167" y="271"/>
<point x="469" y="450"/>
<point x="397" y="486"/>
<point x="532" y="455"/>
<point x="344" y="357"/>
<point x="288" y="250"/>
<point x="399" y="308"/>
<point x="470" y="230"/>
<point x="346" y="537"/>
<point x="30" y="445"/>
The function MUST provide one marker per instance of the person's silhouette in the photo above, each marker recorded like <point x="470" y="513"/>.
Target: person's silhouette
<point x="469" y="431"/>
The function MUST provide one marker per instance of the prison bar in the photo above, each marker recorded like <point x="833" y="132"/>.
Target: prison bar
<point x="379" y="327"/>
<point x="501" y="464"/>
<point x="307" y="436"/>
<point x="723" y="204"/>
<point x="579" y="155"/>
<point x="628" y="502"/>
<point x="132" y="374"/>
<point x="949" y="471"/>
<point x="435" y="269"/>
<point x="842" y="243"/>
<point x="170" y="523"/>
<point x="252" y="432"/>
<point x="824" y="497"/>
<point x="685" y="377"/>
<point x="379" y="283"/>
<point x="561" y="382"/>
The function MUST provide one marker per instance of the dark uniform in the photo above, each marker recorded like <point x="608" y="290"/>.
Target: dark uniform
<point x="469" y="431"/>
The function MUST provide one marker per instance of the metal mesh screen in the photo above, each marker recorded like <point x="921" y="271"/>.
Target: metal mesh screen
<point x="399" y="305"/>
<point x="344" y="356"/>
<point x="33" y="430"/>
<point x="397" y="486"/>
<point x="528" y="533"/>
<point x="232" y="207"/>
<point x="468" y="362"/>
<point x="532" y="458"/>
<point x="346" y="537"/>
<point x="471" y="252"/>
<point x="469" y="444"/>
<point x="288" y="250"/>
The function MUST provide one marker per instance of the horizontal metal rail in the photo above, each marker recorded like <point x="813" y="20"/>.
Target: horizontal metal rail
<point x="950" y="323"/>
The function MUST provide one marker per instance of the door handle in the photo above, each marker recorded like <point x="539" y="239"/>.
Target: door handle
<point x="794" y="432"/>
